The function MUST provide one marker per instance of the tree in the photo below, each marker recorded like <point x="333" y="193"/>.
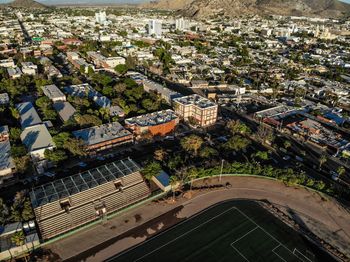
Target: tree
<point x="287" y="144"/>
<point x="174" y="182"/>
<point x="4" y="212"/>
<point x="208" y="152"/>
<point x="60" y="139"/>
<point x="121" y="69"/>
<point x="15" y="133"/>
<point x="87" y="120"/>
<point x="27" y="212"/>
<point x="323" y="160"/>
<point x="192" y="174"/>
<point x="192" y="143"/>
<point x="22" y="164"/>
<point x="14" y="112"/>
<point x="263" y="155"/>
<point x="43" y="102"/>
<point x="236" y="126"/>
<point x="55" y="156"/>
<point x="18" y="238"/>
<point x="18" y="151"/>
<point x="341" y="170"/>
<point x="75" y="146"/>
<point x="160" y="154"/>
<point x="237" y="143"/>
<point x="151" y="169"/>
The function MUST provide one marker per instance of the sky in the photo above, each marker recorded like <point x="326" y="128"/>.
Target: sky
<point x="96" y="1"/>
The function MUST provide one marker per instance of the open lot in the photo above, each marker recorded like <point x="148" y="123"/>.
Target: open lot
<point x="230" y="231"/>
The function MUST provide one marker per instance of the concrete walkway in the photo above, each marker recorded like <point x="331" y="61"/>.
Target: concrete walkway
<point x="324" y="217"/>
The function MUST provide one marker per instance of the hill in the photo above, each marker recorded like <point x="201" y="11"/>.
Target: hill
<point x="206" y="8"/>
<point x="26" y="4"/>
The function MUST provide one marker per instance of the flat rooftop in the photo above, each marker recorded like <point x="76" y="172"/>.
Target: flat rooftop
<point x="52" y="91"/>
<point x="197" y="100"/>
<point x="74" y="184"/>
<point x="99" y="134"/>
<point x="152" y="119"/>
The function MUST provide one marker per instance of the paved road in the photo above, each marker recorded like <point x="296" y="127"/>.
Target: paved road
<point x="325" y="217"/>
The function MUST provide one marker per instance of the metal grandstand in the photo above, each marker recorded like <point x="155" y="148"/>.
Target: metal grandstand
<point x="74" y="184"/>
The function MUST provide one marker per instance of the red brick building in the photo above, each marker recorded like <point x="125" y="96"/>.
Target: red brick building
<point x="158" y="123"/>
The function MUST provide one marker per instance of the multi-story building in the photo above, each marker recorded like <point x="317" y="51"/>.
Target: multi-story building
<point x="155" y="28"/>
<point x="103" y="137"/>
<point x="181" y="24"/>
<point x="157" y="123"/>
<point x="101" y="17"/>
<point x="196" y="110"/>
<point x="73" y="201"/>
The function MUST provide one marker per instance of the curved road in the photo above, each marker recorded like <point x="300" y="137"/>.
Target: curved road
<point x="323" y="216"/>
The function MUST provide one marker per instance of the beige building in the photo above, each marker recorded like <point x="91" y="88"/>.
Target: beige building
<point x="196" y="110"/>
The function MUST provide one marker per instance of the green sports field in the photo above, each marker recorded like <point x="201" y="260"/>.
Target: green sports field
<point x="231" y="231"/>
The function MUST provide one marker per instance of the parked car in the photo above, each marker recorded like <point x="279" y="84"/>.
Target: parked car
<point x="82" y="164"/>
<point x="286" y="157"/>
<point x="335" y="175"/>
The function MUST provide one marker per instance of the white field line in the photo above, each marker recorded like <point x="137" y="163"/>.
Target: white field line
<point x="184" y="234"/>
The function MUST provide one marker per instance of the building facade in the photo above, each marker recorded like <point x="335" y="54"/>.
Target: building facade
<point x="158" y="123"/>
<point x="196" y="110"/>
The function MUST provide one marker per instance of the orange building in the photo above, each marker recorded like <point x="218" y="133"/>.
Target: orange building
<point x="158" y="123"/>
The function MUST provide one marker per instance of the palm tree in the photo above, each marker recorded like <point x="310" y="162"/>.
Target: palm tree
<point x="341" y="170"/>
<point x="173" y="182"/>
<point x="192" y="173"/>
<point x="287" y="144"/>
<point x="323" y="160"/>
<point x="18" y="238"/>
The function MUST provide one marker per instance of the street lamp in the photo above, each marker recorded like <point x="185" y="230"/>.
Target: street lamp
<point x="222" y="167"/>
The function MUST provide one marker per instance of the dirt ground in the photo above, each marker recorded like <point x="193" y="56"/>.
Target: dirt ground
<point x="322" y="215"/>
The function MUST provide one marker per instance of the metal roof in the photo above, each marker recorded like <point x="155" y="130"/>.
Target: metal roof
<point x="68" y="186"/>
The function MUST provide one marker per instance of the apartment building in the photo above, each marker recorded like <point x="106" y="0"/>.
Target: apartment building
<point x="196" y="110"/>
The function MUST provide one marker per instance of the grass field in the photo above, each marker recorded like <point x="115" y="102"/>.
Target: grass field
<point x="231" y="231"/>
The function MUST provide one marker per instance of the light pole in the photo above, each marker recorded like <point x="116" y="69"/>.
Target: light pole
<point x="222" y="167"/>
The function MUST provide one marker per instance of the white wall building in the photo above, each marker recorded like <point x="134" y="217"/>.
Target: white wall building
<point x="155" y="28"/>
<point x="181" y="24"/>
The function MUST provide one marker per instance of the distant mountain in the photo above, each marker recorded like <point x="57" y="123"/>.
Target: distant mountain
<point x="206" y="8"/>
<point x="26" y="4"/>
